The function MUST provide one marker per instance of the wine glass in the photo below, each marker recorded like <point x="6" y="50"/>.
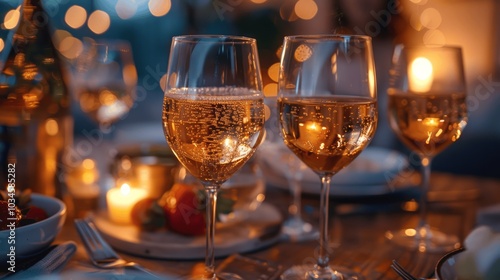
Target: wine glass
<point x="328" y="114"/>
<point x="427" y="111"/>
<point x="213" y="113"/>
<point x="295" y="228"/>
<point x="106" y="80"/>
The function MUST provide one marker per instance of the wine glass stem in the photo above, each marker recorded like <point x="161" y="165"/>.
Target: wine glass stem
<point x="295" y="211"/>
<point x="426" y="176"/>
<point x="211" y="202"/>
<point x="323" y="257"/>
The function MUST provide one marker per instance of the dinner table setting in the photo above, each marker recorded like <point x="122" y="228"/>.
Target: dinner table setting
<point x="230" y="181"/>
<point x="459" y="205"/>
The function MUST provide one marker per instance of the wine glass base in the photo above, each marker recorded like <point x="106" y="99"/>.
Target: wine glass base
<point x="301" y="272"/>
<point x="221" y="276"/>
<point x="298" y="230"/>
<point x="428" y="240"/>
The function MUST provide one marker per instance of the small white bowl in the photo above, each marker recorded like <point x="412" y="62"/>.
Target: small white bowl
<point x="31" y="239"/>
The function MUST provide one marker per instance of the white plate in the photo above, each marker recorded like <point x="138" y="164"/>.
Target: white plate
<point x="371" y="173"/>
<point x="260" y="229"/>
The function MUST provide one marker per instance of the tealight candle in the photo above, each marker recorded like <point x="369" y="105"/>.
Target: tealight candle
<point x="121" y="201"/>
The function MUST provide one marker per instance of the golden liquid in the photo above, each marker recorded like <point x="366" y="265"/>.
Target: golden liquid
<point x="106" y="104"/>
<point x="327" y="133"/>
<point x="213" y="135"/>
<point x="427" y="123"/>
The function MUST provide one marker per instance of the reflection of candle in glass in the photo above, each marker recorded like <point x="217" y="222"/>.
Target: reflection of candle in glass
<point x="430" y="125"/>
<point x="420" y="75"/>
<point x="121" y="201"/>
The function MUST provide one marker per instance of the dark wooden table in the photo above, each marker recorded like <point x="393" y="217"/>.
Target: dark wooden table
<point x="357" y="228"/>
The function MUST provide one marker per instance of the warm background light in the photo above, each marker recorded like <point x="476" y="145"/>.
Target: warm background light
<point x="159" y="8"/>
<point x="306" y="9"/>
<point x="75" y="16"/>
<point x="11" y="19"/>
<point x="273" y="71"/>
<point x="271" y="89"/>
<point x="70" y="47"/>
<point x="51" y="127"/>
<point x="431" y="18"/>
<point x="99" y="22"/>
<point x="2" y="44"/>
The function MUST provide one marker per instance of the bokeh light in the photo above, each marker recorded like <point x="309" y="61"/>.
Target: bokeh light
<point x="70" y="47"/>
<point x="434" y="37"/>
<point x="273" y="71"/>
<point x="2" y="44"/>
<point x="125" y="9"/>
<point x="11" y="18"/>
<point x="99" y="22"/>
<point x="419" y="2"/>
<point x="306" y="9"/>
<point x="75" y="16"/>
<point x="51" y="127"/>
<point x="271" y="89"/>
<point x="431" y="18"/>
<point x="159" y="8"/>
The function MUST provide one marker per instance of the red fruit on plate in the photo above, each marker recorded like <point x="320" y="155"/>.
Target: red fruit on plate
<point x="8" y="216"/>
<point x="148" y="215"/>
<point x="184" y="210"/>
<point x="35" y="213"/>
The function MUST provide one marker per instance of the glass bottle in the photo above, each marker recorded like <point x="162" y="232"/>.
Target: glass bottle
<point x="35" y="118"/>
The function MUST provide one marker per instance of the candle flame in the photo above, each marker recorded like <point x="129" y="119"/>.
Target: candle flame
<point x="125" y="189"/>
<point x="421" y="68"/>
<point x="421" y="74"/>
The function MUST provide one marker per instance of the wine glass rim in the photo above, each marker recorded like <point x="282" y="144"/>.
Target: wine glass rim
<point x="214" y="38"/>
<point x="328" y="37"/>
<point x="429" y="46"/>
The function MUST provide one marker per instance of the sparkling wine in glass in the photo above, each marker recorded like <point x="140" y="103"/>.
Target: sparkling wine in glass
<point x="328" y="113"/>
<point x="106" y="80"/>
<point x="213" y="114"/>
<point x="427" y="111"/>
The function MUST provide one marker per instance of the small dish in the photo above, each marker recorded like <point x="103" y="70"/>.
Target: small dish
<point x="33" y="238"/>
<point x="446" y="266"/>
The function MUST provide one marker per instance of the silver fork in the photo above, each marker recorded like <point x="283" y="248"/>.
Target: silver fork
<point x="401" y="271"/>
<point x="99" y="251"/>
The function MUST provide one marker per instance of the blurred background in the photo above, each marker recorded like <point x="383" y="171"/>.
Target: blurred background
<point x="150" y="24"/>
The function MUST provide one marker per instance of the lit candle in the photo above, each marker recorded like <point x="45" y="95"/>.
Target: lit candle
<point x="121" y="201"/>
<point x="420" y="75"/>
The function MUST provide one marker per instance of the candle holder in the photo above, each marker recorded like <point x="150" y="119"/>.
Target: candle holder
<point x="153" y="168"/>
<point x="82" y="187"/>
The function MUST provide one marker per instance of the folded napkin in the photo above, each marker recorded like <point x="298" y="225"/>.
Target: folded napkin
<point x="481" y="258"/>
<point x="489" y="216"/>
<point x="56" y="258"/>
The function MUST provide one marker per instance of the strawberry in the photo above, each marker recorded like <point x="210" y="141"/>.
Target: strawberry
<point x="34" y="213"/>
<point x="184" y="210"/>
<point x="7" y="214"/>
